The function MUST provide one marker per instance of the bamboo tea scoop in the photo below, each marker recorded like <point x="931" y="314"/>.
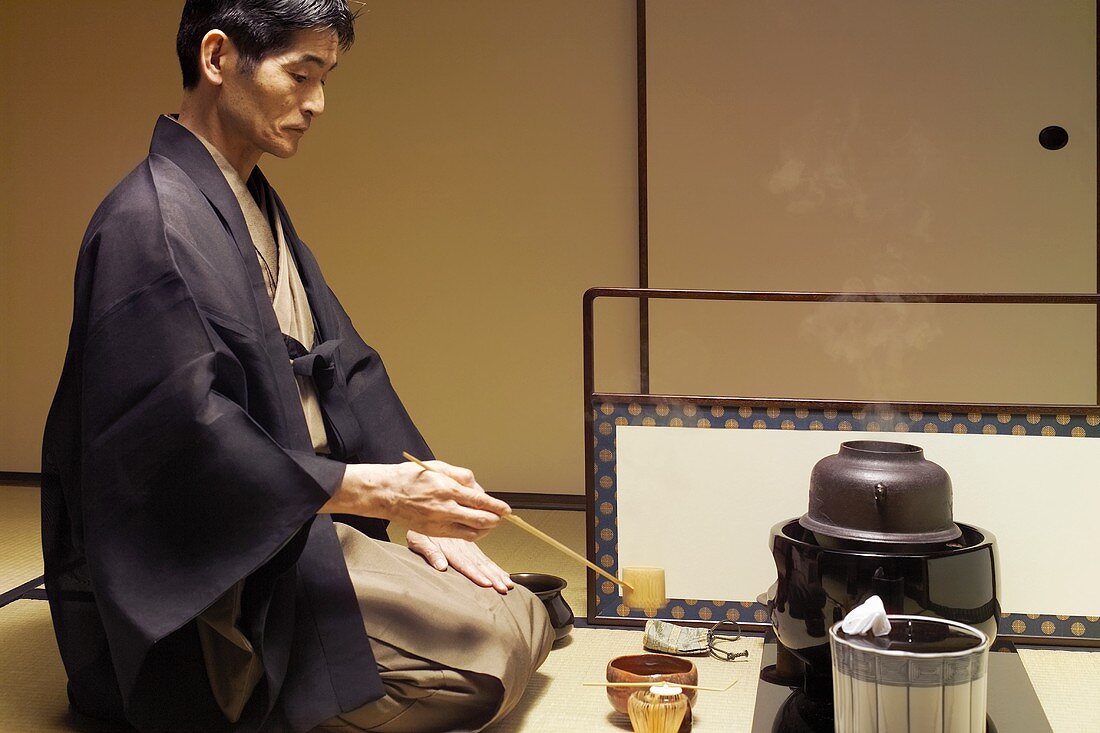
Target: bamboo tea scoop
<point x="554" y="543"/>
<point x="651" y="683"/>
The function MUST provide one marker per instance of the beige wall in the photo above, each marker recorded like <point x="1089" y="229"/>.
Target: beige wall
<point x="870" y="145"/>
<point x="475" y="171"/>
<point x="85" y="81"/>
<point x="478" y="161"/>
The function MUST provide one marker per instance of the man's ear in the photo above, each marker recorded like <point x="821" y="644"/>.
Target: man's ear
<point x="215" y="52"/>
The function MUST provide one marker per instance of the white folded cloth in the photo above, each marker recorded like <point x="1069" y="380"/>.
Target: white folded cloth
<point x="868" y="616"/>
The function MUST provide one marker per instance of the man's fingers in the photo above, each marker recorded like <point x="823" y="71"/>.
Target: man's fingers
<point x="437" y="502"/>
<point x="501" y="581"/>
<point x="462" y="475"/>
<point x="495" y="577"/>
<point x="436" y="559"/>
<point x="464" y="488"/>
<point x="475" y="518"/>
<point x="468" y="559"/>
<point x="480" y="500"/>
<point x="426" y="548"/>
<point x="475" y="573"/>
<point x="461" y="531"/>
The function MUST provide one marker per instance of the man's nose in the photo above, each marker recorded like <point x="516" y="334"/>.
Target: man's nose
<point x="314" y="104"/>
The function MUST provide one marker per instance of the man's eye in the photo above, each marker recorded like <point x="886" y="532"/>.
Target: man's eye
<point x="299" y="77"/>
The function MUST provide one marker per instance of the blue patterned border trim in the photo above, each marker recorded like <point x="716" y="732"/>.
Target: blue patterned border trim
<point x="607" y="416"/>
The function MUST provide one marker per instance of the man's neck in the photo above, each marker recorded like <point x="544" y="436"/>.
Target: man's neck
<point x="203" y="120"/>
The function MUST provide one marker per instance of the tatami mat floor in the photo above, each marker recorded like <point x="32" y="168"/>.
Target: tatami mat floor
<point x="20" y="550"/>
<point x="32" y="681"/>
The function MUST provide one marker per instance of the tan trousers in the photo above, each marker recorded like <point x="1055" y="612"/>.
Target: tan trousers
<point x="452" y="656"/>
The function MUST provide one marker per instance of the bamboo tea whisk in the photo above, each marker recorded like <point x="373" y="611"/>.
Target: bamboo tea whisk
<point x="660" y="709"/>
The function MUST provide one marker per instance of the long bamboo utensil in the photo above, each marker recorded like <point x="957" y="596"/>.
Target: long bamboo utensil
<point x="540" y="534"/>
<point x="659" y="682"/>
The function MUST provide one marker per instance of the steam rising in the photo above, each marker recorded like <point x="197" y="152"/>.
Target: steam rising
<point x="865" y="179"/>
<point x="875" y="341"/>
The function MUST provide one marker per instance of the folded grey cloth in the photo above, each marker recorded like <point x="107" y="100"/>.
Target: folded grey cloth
<point x="668" y="638"/>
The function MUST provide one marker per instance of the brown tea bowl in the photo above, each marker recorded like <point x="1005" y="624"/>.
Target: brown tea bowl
<point x="654" y="668"/>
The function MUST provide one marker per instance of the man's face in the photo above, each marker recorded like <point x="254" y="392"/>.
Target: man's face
<point x="271" y="107"/>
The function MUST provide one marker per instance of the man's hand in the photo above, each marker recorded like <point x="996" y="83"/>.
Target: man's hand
<point x="465" y="557"/>
<point x="444" y="502"/>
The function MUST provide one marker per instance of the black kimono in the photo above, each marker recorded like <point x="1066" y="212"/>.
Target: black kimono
<point x="177" y="462"/>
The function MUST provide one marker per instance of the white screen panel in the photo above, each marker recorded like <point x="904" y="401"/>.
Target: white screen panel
<point x="700" y="503"/>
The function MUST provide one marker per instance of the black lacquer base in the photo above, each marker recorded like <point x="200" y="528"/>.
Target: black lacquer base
<point x="1013" y="706"/>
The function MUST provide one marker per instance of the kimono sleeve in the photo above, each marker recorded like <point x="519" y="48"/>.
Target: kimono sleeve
<point x="184" y="494"/>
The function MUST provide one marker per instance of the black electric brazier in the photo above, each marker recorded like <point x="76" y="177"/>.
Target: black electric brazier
<point x="879" y="524"/>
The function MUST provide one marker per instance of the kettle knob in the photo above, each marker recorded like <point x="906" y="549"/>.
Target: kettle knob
<point x="880" y="493"/>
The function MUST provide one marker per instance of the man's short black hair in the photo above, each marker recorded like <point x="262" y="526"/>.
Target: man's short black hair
<point x="258" y="28"/>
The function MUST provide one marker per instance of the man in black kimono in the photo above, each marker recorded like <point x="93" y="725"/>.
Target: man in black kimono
<point x="217" y="409"/>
